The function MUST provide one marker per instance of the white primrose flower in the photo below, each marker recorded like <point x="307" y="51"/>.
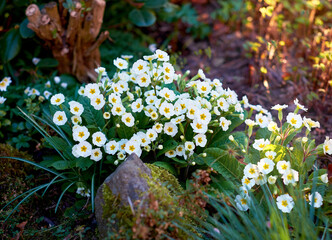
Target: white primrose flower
<point x="2" y="100"/>
<point x="272" y="179"/>
<point x="64" y="84"/>
<point x="57" y="99"/>
<point x="203" y="116"/>
<point x="290" y="176"/>
<point x="168" y="78"/>
<point x="98" y="139"/>
<point x="247" y="182"/>
<point x="151" y="99"/>
<point x="57" y="79"/>
<point x="201" y="74"/>
<point x="250" y="123"/>
<point x="192" y="109"/>
<point x="170" y="129"/>
<point x="96" y="154"/>
<point x="270" y="155"/>
<point x="98" y="101"/>
<point x="180" y="151"/>
<point x="168" y="94"/>
<point x="150" y="57"/>
<point x="232" y="97"/>
<point x="76" y="119"/>
<point x="81" y="91"/>
<point x="48" y="84"/>
<point x="285" y="203"/>
<point x="327" y="146"/>
<point x="241" y="202"/>
<point x="244" y="191"/>
<point x="203" y="88"/>
<point x="283" y="166"/>
<point x="128" y="119"/>
<point x="262" y="120"/>
<point x="34" y="91"/>
<point x="132" y="147"/>
<point x="158" y="127"/>
<point x="101" y="70"/>
<point x="118" y="110"/>
<point x="91" y="90"/>
<point x="168" y="69"/>
<point x="251" y="171"/>
<point x="309" y="123"/>
<point x="127" y="57"/>
<point x="199" y="127"/>
<point x="189" y="146"/>
<point x="223" y="104"/>
<point x="224" y="123"/>
<point x="80" y="133"/>
<point x="279" y="107"/>
<point x="114" y="98"/>
<point x="151" y="135"/>
<point x="200" y="140"/>
<point x="123" y="85"/>
<point x="120" y="63"/>
<point x="294" y="119"/>
<point x="166" y="109"/>
<point x="154" y="116"/>
<point x="296" y="102"/>
<point x="59" y="118"/>
<point x="316" y="199"/>
<point x="143" y="139"/>
<point x="260" y="144"/>
<point x="76" y="108"/>
<point x="140" y="66"/>
<point x="35" y="60"/>
<point x="84" y="149"/>
<point x="143" y="80"/>
<point x="83" y="192"/>
<point x="272" y="126"/>
<point x="238" y="108"/>
<point x="161" y="55"/>
<point x="170" y="154"/>
<point x="74" y="151"/>
<point x="324" y="178"/>
<point x="120" y="156"/>
<point x="106" y="115"/>
<point x="117" y="88"/>
<point x="111" y="147"/>
<point x="261" y="179"/>
<point x="180" y="107"/>
<point x="137" y="106"/>
<point x="265" y="165"/>
<point x="47" y="94"/>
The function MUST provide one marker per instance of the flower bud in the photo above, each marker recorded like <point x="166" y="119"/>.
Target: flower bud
<point x="117" y="125"/>
<point x="210" y="131"/>
<point x="193" y="163"/>
<point x="272" y="180"/>
<point x="204" y="154"/>
<point x="243" y="150"/>
<point x="324" y="178"/>
<point x="116" y="162"/>
<point x="160" y="147"/>
<point x="291" y="148"/>
<point x="181" y="137"/>
<point x="231" y="138"/>
<point x="278" y="138"/>
<point x="304" y="139"/>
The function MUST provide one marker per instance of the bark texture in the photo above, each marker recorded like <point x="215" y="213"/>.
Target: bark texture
<point x="72" y="34"/>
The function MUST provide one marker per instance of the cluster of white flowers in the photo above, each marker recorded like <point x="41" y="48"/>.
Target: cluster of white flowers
<point x="46" y="92"/>
<point x="147" y="88"/>
<point x="4" y="83"/>
<point x="258" y="174"/>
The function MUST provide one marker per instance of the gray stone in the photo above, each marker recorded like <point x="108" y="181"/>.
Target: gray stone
<point x="127" y="183"/>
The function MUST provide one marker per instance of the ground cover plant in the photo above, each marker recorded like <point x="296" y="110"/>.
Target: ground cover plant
<point x="245" y="170"/>
<point x="181" y="124"/>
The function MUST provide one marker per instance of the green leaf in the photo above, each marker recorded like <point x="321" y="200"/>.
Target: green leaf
<point x="280" y="150"/>
<point x="24" y="30"/>
<point x="240" y="137"/>
<point x="60" y="165"/>
<point x="48" y="63"/>
<point x="125" y="132"/>
<point x="168" y="145"/>
<point x="166" y="166"/>
<point x="57" y="142"/>
<point x="154" y="3"/>
<point x="225" y="164"/>
<point x="10" y="45"/>
<point x="2" y="6"/>
<point x="91" y="115"/>
<point x="69" y="79"/>
<point x="142" y="17"/>
<point x="263" y="133"/>
<point x="84" y="163"/>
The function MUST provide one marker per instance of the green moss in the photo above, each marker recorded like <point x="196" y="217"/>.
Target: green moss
<point x="162" y="209"/>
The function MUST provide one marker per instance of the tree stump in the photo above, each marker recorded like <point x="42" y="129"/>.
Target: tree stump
<point x="71" y="33"/>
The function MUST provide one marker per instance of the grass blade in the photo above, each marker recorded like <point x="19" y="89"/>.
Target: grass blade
<point x="57" y="205"/>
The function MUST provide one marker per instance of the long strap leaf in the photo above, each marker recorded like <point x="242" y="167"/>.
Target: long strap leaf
<point x="37" y="165"/>
<point x="57" y="205"/>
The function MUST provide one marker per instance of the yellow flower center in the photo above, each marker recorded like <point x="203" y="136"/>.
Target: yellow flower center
<point x="284" y="203"/>
<point x="243" y="201"/>
<point x="131" y="148"/>
<point x="266" y="166"/>
<point x="81" y="134"/>
<point x="246" y="181"/>
<point x="262" y="145"/>
<point x="60" y="118"/>
<point x="167" y="110"/>
<point x="128" y="119"/>
<point x="170" y="129"/>
<point x="98" y="101"/>
<point x="112" y="147"/>
<point x="84" y="148"/>
<point x="76" y="109"/>
<point x="167" y="70"/>
<point x="293" y="121"/>
<point x="92" y="91"/>
<point x="98" y="139"/>
<point x="252" y="171"/>
<point x="140" y="67"/>
<point x="284" y="166"/>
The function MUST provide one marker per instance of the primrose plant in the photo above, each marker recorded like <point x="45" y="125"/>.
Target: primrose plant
<point x="148" y="109"/>
<point x="280" y="161"/>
